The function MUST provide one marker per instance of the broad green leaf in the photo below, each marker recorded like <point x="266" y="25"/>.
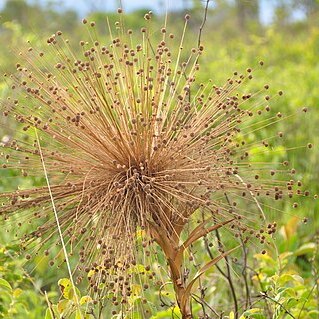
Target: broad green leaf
<point x="5" y="284"/>
<point x="308" y="248"/>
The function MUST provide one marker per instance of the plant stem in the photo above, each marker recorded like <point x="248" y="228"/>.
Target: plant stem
<point x="170" y="247"/>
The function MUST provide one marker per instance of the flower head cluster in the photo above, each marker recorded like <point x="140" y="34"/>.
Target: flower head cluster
<point x="131" y="141"/>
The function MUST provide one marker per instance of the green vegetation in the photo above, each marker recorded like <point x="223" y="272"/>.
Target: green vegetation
<point x="284" y="282"/>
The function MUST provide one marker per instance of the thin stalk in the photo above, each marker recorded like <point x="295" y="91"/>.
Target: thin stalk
<point x="57" y="220"/>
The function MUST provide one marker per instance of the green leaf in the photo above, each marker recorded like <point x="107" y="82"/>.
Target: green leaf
<point x="137" y="269"/>
<point x="5" y="284"/>
<point x="62" y="305"/>
<point x="313" y="314"/>
<point x="283" y="279"/>
<point x="308" y="248"/>
<point x="289" y="230"/>
<point x="48" y="314"/>
<point x="168" y="313"/>
<point x="285" y="255"/>
<point x="266" y="259"/>
<point x="17" y="292"/>
<point x="67" y="289"/>
<point x="85" y="299"/>
<point x="65" y="285"/>
<point x="299" y="279"/>
<point x="78" y="314"/>
<point x="254" y="313"/>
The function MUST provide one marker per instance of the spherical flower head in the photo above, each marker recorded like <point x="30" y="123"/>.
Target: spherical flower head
<point x="131" y="143"/>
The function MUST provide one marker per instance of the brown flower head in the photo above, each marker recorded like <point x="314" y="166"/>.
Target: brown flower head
<point x="130" y="141"/>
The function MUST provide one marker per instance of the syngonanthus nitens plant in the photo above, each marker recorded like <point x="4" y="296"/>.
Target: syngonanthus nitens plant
<point x="131" y="142"/>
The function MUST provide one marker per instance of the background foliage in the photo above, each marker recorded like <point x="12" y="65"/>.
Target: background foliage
<point x="283" y="283"/>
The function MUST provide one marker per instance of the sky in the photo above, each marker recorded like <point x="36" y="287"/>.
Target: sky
<point x="83" y="7"/>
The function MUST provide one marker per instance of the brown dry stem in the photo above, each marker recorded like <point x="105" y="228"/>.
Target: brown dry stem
<point x="174" y="253"/>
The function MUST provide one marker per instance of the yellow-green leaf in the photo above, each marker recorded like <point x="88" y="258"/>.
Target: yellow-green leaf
<point x="137" y="269"/>
<point x="91" y="273"/>
<point x="308" y="248"/>
<point x="85" y="299"/>
<point x="17" y="292"/>
<point x="62" y="305"/>
<point x="253" y="311"/>
<point x="78" y="314"/>
<point x="290" y="228"/>
<point x="48" y="314"/>
<point x="64" y="283"/>
<point x="67" y="289"/>
<point x="298" y="279"/>
<point x="168" y="313"/>
<point x="5" y="284"/>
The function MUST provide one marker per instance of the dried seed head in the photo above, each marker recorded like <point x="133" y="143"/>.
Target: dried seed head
<point x="135" y="147"/>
